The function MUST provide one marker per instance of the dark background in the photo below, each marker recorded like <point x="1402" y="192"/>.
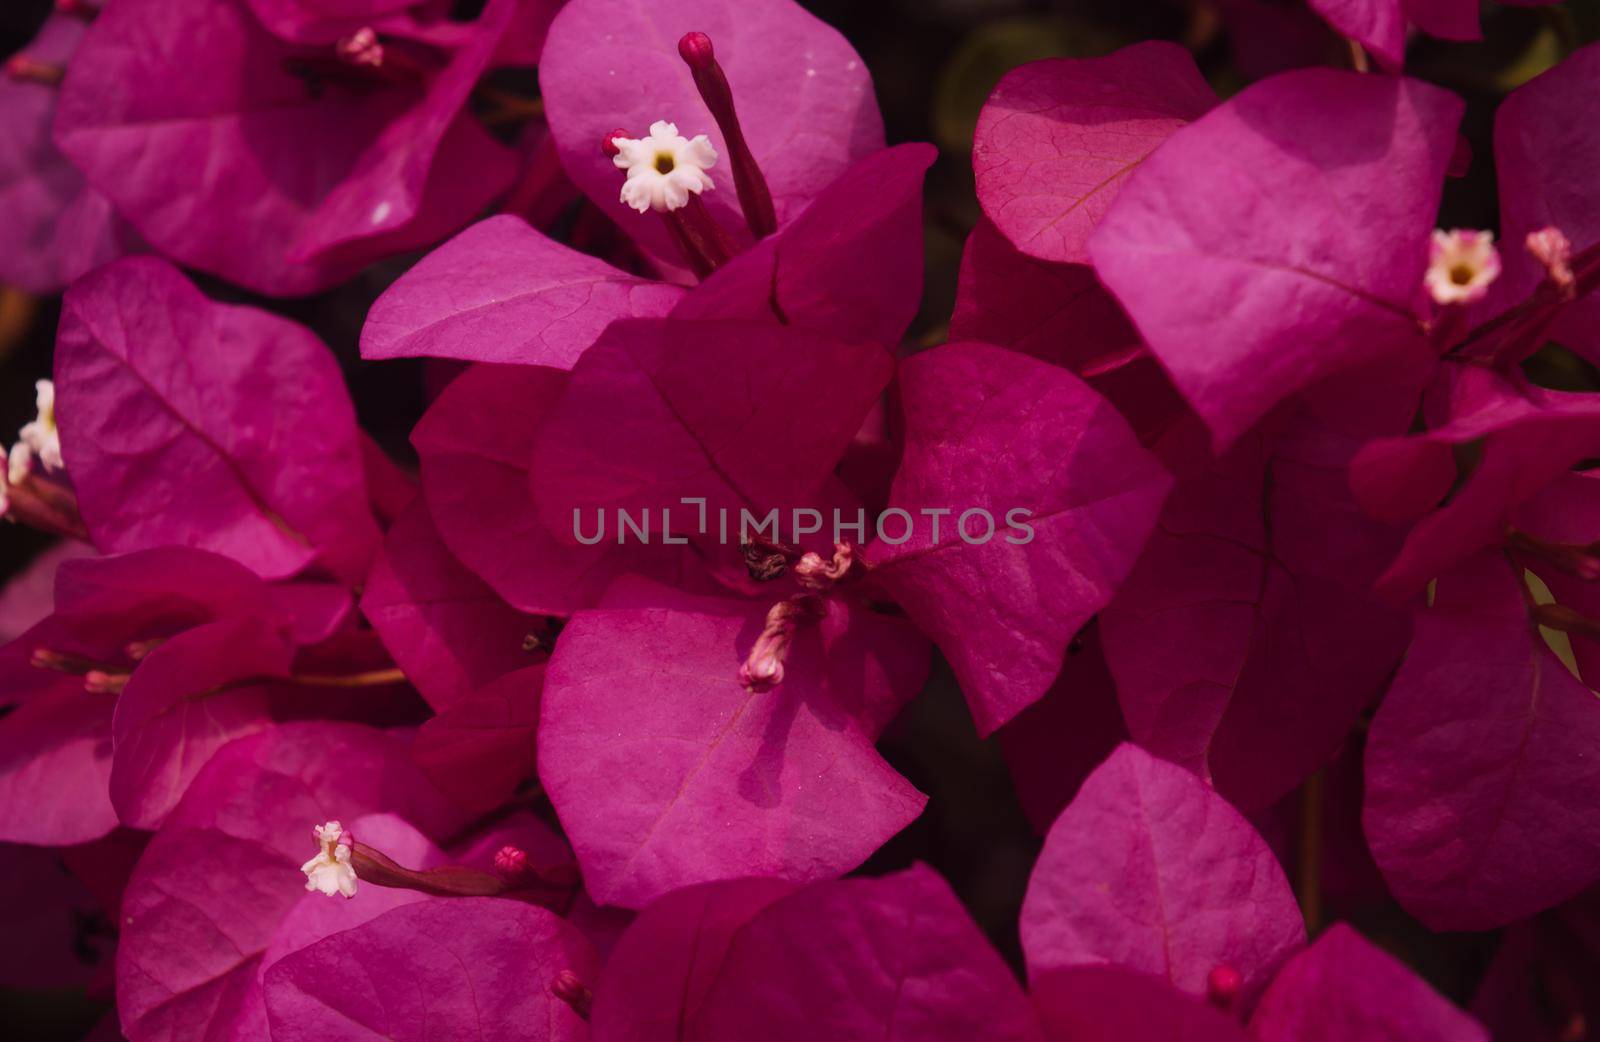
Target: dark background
<point x="934" y="62"/>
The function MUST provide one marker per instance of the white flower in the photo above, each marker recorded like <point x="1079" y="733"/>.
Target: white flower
<point x="330" y="871"/>
<point x="41" y="436"/>
<point x="1461" y="265"/>
<point x="19" y="463"/>
<point x="664" y="167"/>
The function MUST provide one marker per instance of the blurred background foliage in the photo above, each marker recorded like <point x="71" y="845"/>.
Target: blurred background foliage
<point x="934" y="63"/>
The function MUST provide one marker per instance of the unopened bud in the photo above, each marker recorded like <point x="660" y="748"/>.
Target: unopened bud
<point x="608" y="144"/>
<point x="696" y="51"/>
<point x="1223" y="985"/>
<point x="569" y="989"/>
<point x="511" y="862"/>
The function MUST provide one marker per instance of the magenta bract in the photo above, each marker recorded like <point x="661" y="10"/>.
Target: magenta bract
<point x="449" y="631"/>
<point x="993" y="430"/>
<point x="804" y="98"/>
<point x="1472" y="757"/>
<point x="478" y="968"/>
<point x="665" y="771"/>
<point x="1058" y="138"/>
<point x="226" y="152"/>
<point x="208" y="425"/>
<point x="863" y="959"/>
<point x="1345" y="989"/>
<point x="1247" y="293"/>
<point x="212" y="889"/>
<point x="1149" y="869"/>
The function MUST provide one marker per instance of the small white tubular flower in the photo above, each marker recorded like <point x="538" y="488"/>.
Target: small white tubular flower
<point x="330" y="871"/>
<point x="19" y="463"/>
<point x="664" y="167"/>
<point x="1461" y="265"/>
<point x="41" y="435"/>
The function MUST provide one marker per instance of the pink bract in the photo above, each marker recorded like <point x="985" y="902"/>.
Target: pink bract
<point x="653" y="987"/>
<point x="1149" y="869"/>
<point x="477" y="967"/>
<point x="225" y="154"/>
<point x="222" y="874"/>
<point x="1256" y="259"/>
<point x="665" y="771"/>
<point x="804" y="97"/>
<point x="208" y="425"/>
<point x="989" y="429"/>
<point x="1246" y="641"/>
<point x="740" y="414"/>
<point x="1472" y="757"/>
<point x="867" y="959"/>
<point x="1058" y="138"/>
<point x="449" y="631"/>
<point x="1345" y="989"/>
<point x="56" y="227"/>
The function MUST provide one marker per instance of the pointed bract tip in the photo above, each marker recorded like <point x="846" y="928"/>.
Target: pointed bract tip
<point x="696" y="50"/>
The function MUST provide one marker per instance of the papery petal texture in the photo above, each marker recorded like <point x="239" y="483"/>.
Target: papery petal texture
<point x="1246" y="642"/>
<point x="895" y="958"/>
<point x="737" y="413"/>
<point x="478" y="967"/>
<point x="208" y="425"/>
<point x="446" y="628"/>
<point x="665" y="771"/>
<point x="223" y="872"/>
<point x="502" y="292"/>
<point x="213" y="138"/>
<point x="804" y="96"/>
<point x="1256" y="259"/>
<point x="55" y="226"/>
<point x="1544" y="149"/>
<point x="476" y="445"/>
<point x="1473" y="760"/>
<point x="1057" y="139"/>
<point x="653" y="987"/>
<point x="1150" y="870"/>
<point x="1345" y="989"/>
<point x="993" y="430"/>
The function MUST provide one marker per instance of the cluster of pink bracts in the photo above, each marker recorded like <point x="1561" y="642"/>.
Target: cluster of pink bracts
<point x="1297" y="522"/>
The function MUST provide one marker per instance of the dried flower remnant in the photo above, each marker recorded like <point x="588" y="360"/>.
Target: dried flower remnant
<point x="330" y="872"/>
